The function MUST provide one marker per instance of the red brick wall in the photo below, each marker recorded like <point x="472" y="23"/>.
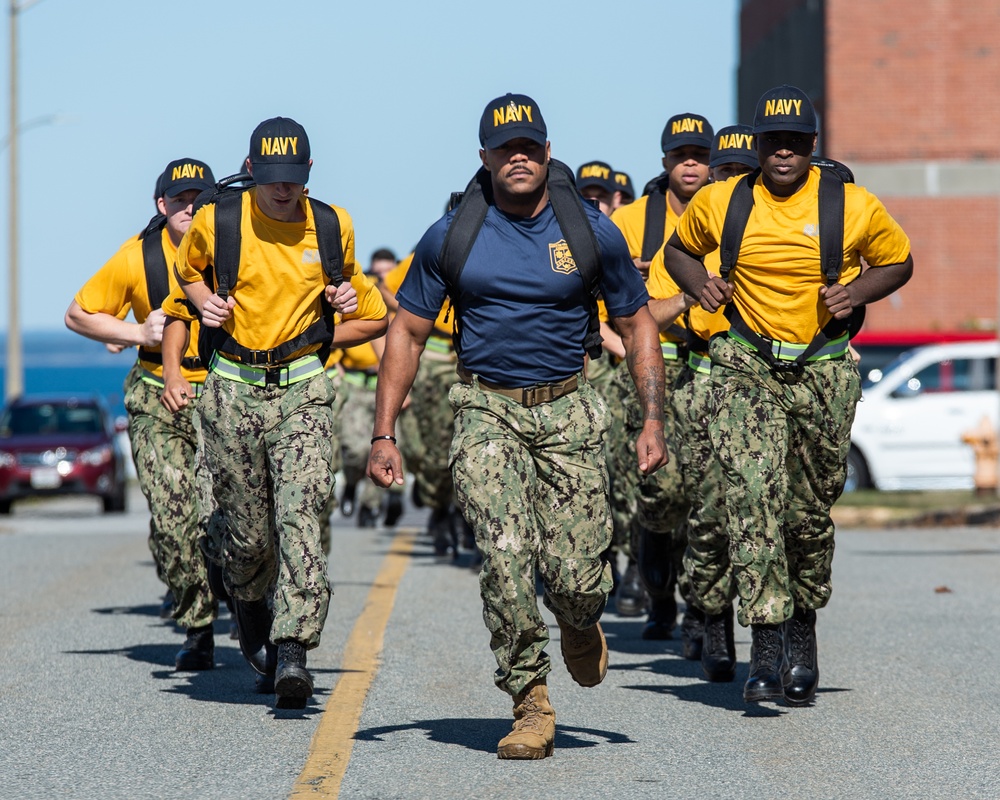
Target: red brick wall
<point x="912" y="79"/>
<point x="956" y="256"/>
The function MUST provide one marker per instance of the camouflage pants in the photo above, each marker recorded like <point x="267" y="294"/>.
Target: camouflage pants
<point x="336" y="461"/>
<point x="533" y="484"/>
<point x="172" y="475"/>
<point x="601" y="375"/>
<point x="783" y="450"/>
<point x="706" y="559"/>
<point x="432" y="412"/>
<point x="358" y="418"/>
<point x="660" y="504"/>
<point x="269" y="448"/>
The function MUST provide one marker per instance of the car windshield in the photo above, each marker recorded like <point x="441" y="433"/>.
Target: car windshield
<point x="50" y="418"/>
<point x="876" y="375"/>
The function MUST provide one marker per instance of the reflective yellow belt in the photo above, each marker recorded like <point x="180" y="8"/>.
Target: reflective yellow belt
<point x="789" y="351"/>
<point x="358" y="377"/>
<point x="155" y="380"/>
<point x="670" y="350"/>
<point x="699" y="363"/>
<point x="280" y="375"/>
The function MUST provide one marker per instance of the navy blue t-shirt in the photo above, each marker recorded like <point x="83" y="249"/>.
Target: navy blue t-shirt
<point x="522" y="307"/>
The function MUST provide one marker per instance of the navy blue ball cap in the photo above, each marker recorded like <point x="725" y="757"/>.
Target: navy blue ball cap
<point x="512" y="116"/>
<point x="279" y="152"/>
<point x="623" y="184"/>
<point x="184" y="174"/>
<point x="686" y="129"/>
<point x="596" y="173"/>
<point x="734" y="144"/>
<point x="785" y="108"/>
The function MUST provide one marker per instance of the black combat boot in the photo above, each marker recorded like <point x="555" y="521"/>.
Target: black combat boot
<point x="367" y="517"/>
<point x="692" y="632"/>
<point x="767" y="665"/>
<point x="632" y="599"/>
<point x="253" y="627"/>
<point x="393" y="509"/>
<point x="198" y="650"/>
<point x="718" y="652"/>
<point x="293" y="684"/>
<point x="801" y="658"/>
<point x="442" y="533"/>
<point x="347" y="499"/>
<point x="656" y="569"/>
<point x="167" y="606"/>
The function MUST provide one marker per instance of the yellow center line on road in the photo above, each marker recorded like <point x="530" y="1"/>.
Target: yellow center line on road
<point x="333" y="741"/>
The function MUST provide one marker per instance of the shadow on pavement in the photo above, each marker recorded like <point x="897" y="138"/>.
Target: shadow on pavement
<point x="483" y="734"/>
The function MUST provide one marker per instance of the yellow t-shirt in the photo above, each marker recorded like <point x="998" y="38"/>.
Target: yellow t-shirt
<point x="444" y="325"/>
<point x="280" y="281"/>
<point x="120" y="286"/>
<point x="778" y="276"/>
<point x="360" y="356"/>
<point x="631" y="221"/>
<point x="662" y="287"/>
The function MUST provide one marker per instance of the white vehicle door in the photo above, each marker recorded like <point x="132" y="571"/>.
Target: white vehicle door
<point x="924" y="418"/>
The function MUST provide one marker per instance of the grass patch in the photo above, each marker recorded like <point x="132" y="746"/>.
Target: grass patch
<point x="914" y="501"/>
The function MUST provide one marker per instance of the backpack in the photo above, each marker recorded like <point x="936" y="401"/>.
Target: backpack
<point x="157" y="281"/>
<point x="833" y="176"/>
<point x="567" y="204"/>
<point x="228" y="201"/>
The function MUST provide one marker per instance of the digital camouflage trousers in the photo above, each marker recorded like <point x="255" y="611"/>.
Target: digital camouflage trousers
<point x="170" y="466"/>
<point x="782" y="445"/>
<point x="269" y="448"/>
<point x="533" y="484"/>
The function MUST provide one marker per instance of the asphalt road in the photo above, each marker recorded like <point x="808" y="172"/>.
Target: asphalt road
<point x="90" y="706"/>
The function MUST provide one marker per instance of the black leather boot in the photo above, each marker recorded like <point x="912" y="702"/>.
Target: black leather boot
<point x="167" y="606"/>
<point x="656" y="569"/>
<point x="198" y="650"/>
<point x="801" y="658"/>
<point x="767" y="665"/>
<point x="442" y="534"/>
<point x="393" y="509"/>
<point x="293" y="684"/>
<point x="718" y="652"/>
<point x="692" y="632"/>
<point x="367" y="517"/>
<point x="631" y="599"/>
<point x="347" y="499"/>
<point x="253" y="626"/>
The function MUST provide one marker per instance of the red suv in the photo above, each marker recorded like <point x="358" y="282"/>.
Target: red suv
<point x="52" y="445"/>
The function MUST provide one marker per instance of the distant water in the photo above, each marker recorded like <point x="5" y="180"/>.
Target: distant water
<point x="61" y="361"/>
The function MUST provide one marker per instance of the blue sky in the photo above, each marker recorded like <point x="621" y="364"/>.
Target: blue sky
<point x="390" y="94"/>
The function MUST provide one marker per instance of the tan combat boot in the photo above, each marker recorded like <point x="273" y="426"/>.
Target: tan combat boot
<point x="585" y="653"/>
<point x="534" y="730"/>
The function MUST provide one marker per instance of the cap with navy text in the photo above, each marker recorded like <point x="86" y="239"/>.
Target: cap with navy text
<point x="184" y="174"/>
<point x="279" y="152"/>
<point x="734" y="145"/>
<point x="596" y="173"/>
<point x="686" y="129"/>
<point x="623" y="184"/>
<point x="785" y="108"/>
<point x="512" y="116"/>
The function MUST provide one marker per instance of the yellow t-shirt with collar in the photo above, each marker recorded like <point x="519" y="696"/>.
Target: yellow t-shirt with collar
<point x="778" y="276"/>
<point x="280" y="281"/>
<point x="120" y="286"/>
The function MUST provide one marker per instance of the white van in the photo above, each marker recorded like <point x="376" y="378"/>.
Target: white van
<point x="908" y="427"/>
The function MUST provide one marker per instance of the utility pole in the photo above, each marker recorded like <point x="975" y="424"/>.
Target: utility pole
<point x="14" y="373"/>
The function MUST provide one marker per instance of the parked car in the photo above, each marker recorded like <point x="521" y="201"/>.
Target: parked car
<point x="909" y="424"/>
<point x="60" y="444"/>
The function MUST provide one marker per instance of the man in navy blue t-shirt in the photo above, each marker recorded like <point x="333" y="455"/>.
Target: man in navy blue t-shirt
<point x="527" y="456"/>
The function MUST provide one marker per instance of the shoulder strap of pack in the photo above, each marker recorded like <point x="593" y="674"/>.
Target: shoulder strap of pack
<point x="154" y="263"/>
<point x="228" y="239"/>
<point x="331" y="249"/>
<point x="831" y="224"/>
<point x="464" y="228"/>
<point x="654" y="230"/>
<point x="737" y="216"/>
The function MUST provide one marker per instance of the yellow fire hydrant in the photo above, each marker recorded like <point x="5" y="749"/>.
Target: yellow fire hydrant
<point x="983" y="441"/>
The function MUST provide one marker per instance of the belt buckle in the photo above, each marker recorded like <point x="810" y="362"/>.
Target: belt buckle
<point x="272" y="377"/>
<point x="788" y="371"/>
<point x="259" y="358"/>
<point x="528" y="396"/>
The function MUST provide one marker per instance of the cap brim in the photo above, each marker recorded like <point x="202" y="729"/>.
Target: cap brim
<point x="741" y="157"/>
<point x="264" y="174"/>
<point x="504" y="136"/>
<point x="794" y="127"/>
<point x="683" y="141"/>
<point x="183" y="186"/>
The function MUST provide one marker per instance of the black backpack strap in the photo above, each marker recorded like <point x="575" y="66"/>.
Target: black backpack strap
<point x="464" y="228"/>
<point x="582" y="242"/>
<point x="831" y="225"/>
<point x="654" y="230"/>
<point x="154" y="263"/>
<point x="331" y="249"/>
<point x="737" y="216"/>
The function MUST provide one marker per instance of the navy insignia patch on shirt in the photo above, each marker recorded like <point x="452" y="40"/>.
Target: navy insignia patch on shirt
<point x="561" y="258"/>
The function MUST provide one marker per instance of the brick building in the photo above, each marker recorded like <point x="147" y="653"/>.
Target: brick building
<point x="908" y="93"/>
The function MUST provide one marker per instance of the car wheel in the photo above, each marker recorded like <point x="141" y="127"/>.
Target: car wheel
<point x="4" y="506"/>
<point x="857" y="472"/>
